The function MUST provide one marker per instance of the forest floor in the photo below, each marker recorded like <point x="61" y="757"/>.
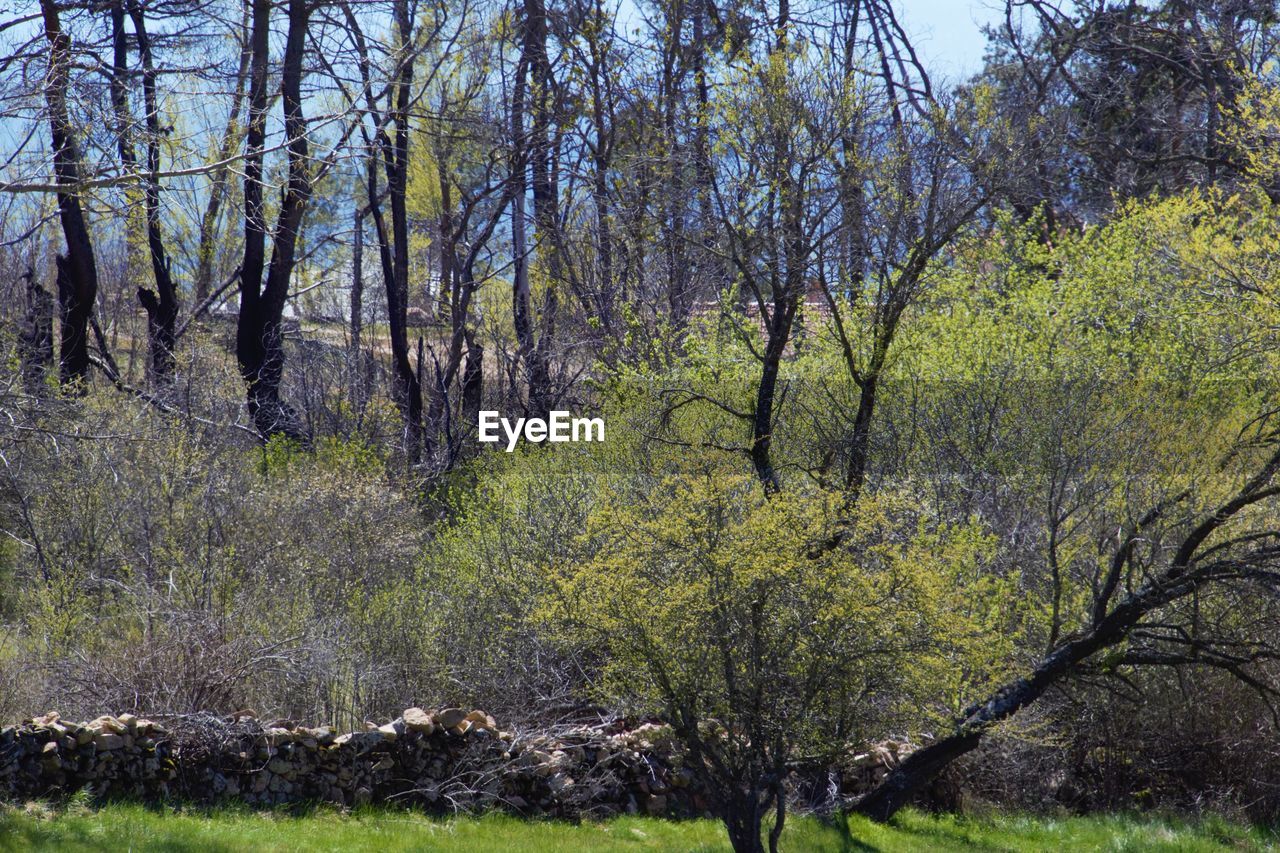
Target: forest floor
<point x="138" y="828"/>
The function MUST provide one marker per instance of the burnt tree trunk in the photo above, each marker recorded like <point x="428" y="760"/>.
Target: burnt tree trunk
<point x="77" y="270"/>
<point x="35" y="338"/>
<point x="781" y="320"/>
<point x="395" y="155"/>
<point x="259" y="338"/>
<point x="531" y="149"/>
<point x="359" y="381"/>
<point x="920" y="768"/>
<point x="161" y="304"/>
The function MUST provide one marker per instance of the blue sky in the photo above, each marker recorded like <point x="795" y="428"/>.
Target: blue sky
<point x="948" y="33"/>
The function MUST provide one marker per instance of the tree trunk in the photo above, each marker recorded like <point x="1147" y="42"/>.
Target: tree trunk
<point x="781" y="320"/>
<point x="860" y="441"/>
<point x="35" y="338"/>
<point x="910" y="777"/>
<point x="742" y="818"/>
<point x="219" y="180"/>
<point x="521" y="301"/>
<point x="473" y="379"/>
<point x="259" y="339"/>
<point x="359" y="384"/>
<point x="162" y="305"/>
<point x="395" y="155"/>
<point x="77" y="270"/>
<point x="533" y="154"/>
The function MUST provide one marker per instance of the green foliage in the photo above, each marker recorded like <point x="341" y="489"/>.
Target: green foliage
<point x="706" y="598"/>
<point x="1176" y="290"/>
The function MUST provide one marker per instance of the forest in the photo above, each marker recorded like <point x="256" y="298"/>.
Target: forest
<point x="932" y="412"/>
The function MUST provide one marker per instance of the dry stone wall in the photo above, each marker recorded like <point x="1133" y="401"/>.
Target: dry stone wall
<point x="442" y="760"/>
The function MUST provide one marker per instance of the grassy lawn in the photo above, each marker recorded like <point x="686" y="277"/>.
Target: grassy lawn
<point x="136" y="828"/>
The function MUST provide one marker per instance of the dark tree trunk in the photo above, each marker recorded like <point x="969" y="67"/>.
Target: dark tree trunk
<point x="860" y="441"/>
<point x="529" y="148"/>
<point x="35" y="338"/>
<point x="395" y="155"/>
<point x="359" y="385"/>
<point x="780" y="322"/>
<point x="259" y="338"/>
<point x="533" y="157"/>
<point x="77" y="270"/>
<point x="920" y="768"/>
<point x="742" y="816"/>
<point x="1189" y="570"/>
<point x="762" y="418"/>
<point x="162" y="304"/>
<point x="473" y="379"/>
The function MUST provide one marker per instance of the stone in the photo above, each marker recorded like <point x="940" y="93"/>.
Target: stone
<point x="418" y="720"/>
<point x="447" y="718"/>
<point x="107" y="741"/>
<point x="481" y="720"/>
<point x="557" y="775"/>
<point x="107" y="723"/>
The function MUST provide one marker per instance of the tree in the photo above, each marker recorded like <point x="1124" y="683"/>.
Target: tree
<point x="259" y="336"/>
<point x="389" y="144"/>
<point x="77" y="269"/>
<point x="1124" y="100"/>
<point x="161" y="304"/>
<point x="531" y="166"/>
<point x="220" y="178"/>
<point x="713" y="609"/>
<point x="1169" y="461"/>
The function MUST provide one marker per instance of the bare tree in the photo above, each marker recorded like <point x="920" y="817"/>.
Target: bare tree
<point x="259" y="335"/>
<point x="77" y="269"/>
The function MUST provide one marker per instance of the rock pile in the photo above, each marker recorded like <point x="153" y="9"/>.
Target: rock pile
<point x="442" y="760"/>
<point x="439" y="759"/>
<point x="862" y="771"/>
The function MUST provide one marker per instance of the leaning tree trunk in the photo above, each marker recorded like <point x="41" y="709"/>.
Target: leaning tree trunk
<point x="920" y="768"/>
<point x="1192" y="567"/>
<point x="77" y="271"/>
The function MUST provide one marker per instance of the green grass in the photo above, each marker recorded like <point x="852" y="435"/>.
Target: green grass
<point x="137" y="828"/>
